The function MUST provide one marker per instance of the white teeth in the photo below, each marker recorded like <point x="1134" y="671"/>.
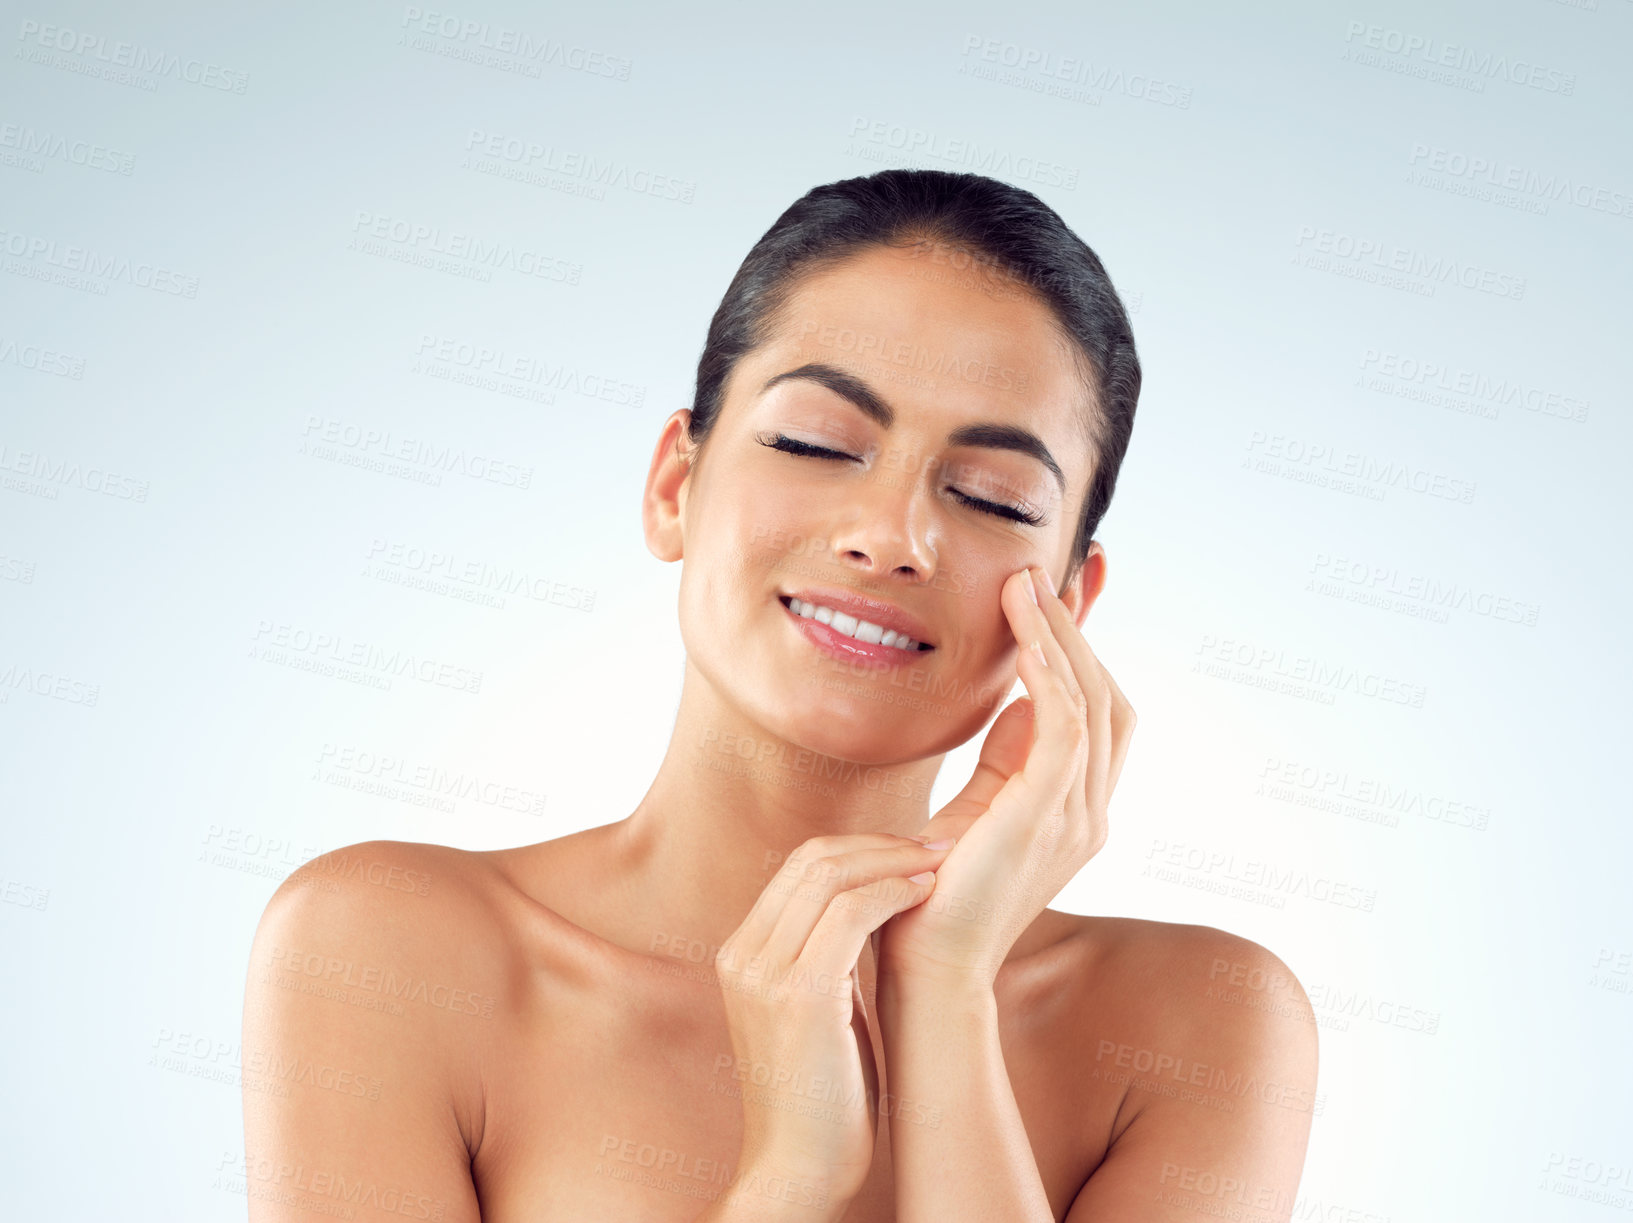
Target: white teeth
<point x="862" y="630"/>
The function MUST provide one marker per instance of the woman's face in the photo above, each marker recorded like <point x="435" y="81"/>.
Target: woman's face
<point x="957" y="408"/>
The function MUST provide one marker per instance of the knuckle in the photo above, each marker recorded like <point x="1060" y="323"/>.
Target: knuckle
<point x="1095" y="837"/>
<point x="1053" y="827"/>
<point x="870" y="901"/>
<point x="824" y="872"/>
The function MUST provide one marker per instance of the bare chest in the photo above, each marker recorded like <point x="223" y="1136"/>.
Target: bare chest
<point x="625" y="1102"/>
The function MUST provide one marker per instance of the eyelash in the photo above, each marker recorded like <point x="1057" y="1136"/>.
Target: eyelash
<point x="789" y="445"/>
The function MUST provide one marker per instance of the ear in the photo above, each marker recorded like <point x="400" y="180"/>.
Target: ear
<point x="663" y="506"/>
<point x="1086" y="584"/>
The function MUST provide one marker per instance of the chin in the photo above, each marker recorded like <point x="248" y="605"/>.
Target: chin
<point x="869" y="731"/>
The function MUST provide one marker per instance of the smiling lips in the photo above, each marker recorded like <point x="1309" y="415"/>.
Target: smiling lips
<point x="853" y="626"/>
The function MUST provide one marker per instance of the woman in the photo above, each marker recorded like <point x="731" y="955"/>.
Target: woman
<point x="780" y="988"/>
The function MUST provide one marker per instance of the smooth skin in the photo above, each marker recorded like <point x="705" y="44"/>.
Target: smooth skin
<point x="762" y="995"/>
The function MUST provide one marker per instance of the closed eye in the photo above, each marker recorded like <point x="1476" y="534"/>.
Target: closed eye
<point x="788" y="445"/>
<point x="1002" y="511"/>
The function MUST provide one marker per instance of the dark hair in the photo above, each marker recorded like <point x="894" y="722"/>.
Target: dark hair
<point x="1010" y="230"/>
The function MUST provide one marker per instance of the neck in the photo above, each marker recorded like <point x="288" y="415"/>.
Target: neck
<point x="730" y="802"/>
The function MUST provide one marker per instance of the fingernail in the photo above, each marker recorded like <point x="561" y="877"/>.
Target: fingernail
<point x="1037" y="653"/>
<point x="1032" y="586"/>
<point x="922" y="877"/>
<point x="946" y="843"/>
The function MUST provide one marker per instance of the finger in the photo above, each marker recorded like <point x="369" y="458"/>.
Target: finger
<point x="864" y="1049"/>
<point x="1055" y="765"/>
<point x="807" y="894"/>
<point x="1028" y="621"/>
<point x="1123" y="720"/>
<point x="836" y="943"/>
<point x="1103" y="701"/>
<point x="1003" y="753"/>
<point x="1111" y="733"/>
<point x="1031" y="623"/>
<point x="1084" y="664"/>
<point x="762" y="917"/>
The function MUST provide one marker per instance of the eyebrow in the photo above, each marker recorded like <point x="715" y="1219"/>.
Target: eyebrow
<point x="990" y="435"/>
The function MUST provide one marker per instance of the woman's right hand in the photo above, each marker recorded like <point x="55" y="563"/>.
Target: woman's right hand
<point x="794" y="1006"/>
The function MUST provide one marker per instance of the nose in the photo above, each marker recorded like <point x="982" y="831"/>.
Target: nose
<point x="886" y="534"/>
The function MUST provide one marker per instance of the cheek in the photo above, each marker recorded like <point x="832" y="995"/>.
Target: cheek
<point x="988" y="621"/>
<point x="777" y="534"/>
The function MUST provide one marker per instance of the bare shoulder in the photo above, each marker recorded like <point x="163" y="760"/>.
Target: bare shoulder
<point x="1176" y="990"/>
<point x="1200" y="1046"/>
<point x="430" y="902"/>
<point x="394" y="955"/>
<point x="378" y="986"/>
<point x="1181" y="963"/>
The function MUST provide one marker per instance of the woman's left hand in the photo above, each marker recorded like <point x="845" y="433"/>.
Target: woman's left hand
<point x="1033" y="813"/>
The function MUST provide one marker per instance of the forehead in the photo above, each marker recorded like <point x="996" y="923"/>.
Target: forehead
<point x="935" y="335"/>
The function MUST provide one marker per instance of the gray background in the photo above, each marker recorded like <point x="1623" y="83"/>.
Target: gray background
<point x="216" y="318"/>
